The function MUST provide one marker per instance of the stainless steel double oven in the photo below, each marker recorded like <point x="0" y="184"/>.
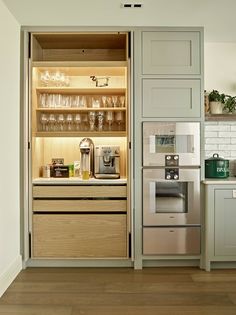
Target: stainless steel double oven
<point x="171" y="188"/>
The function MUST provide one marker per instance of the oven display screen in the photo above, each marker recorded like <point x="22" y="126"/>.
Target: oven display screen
<point x="174" y="144"/>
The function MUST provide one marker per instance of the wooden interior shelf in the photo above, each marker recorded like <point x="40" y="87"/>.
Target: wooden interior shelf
<point x="220" y="117"/>
<point x="85" y="91"/>
<point x="80" y="134"/>
<point x="79" y="109"/>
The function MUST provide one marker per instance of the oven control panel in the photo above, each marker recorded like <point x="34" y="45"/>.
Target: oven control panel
<point x="172" y="173"/>
<point x="172" y="160"/>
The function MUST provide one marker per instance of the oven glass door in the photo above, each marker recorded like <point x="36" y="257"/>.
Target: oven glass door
<point x="166" y="138"/>
<point x="171" y="202"/>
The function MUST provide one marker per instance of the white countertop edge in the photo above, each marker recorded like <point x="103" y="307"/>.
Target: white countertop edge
<point x="78" y="180"/>
<point x="220" y="181"/>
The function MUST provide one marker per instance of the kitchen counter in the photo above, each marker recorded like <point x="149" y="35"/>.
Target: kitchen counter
<point x="77" y="180"/>
<point x="219" y="181"/>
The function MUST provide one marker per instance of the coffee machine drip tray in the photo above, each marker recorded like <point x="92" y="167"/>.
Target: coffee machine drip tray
<point x="107" y="176"/>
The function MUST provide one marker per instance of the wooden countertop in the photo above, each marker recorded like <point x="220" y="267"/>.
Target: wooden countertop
<point x="77" y="180"/>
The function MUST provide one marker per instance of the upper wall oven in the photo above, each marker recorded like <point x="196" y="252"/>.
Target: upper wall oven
<point x="171" y="144"/>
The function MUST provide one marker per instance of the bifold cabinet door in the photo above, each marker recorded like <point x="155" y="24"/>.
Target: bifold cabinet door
<point x="225" y="222"/>
<point x="171" y="53"/>
<point x="171" y="98"/>
<point x="79" y="235"/>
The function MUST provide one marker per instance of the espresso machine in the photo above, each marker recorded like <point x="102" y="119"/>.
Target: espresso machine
<point x="107" y="162"/>
<point x="86" y="158"/>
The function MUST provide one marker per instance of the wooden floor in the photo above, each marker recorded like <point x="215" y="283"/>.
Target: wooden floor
<point x="123" y="291"/>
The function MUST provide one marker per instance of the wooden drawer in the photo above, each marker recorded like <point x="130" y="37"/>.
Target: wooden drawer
<point x="79" y="205"/>
<point x="79" y="235"/>
<point x="171" y="240"/>
<point x="79" y="191"/>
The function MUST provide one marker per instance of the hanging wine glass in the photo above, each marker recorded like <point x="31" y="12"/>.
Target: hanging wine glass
<point x="119" y="119"/>
<point x="52" y="122"/>
<point x="69" y="121"/>
<point x="61" y="121"/>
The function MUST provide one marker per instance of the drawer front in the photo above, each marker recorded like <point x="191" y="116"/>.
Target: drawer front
<point x="166" y="53"/>
<point x="82" y="235"/>
<point x="171" y="98"/>
<point x="79" y="191"/>
<point x="79" y="205"/>
<point x="168" y="241"/>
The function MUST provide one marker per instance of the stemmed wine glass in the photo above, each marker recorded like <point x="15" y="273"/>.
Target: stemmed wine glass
<point x="119" y="119"/>
<point x="109" y="101"/>
<point x="109" y="119"/>
<point x="114" y="100"/>
<point x="69" y="121"/>
<point x="122" y="101"/>
<point x="92" y="118"/>
<point x="77" y="121"/>
<point x="104" y="100"/>
<point x="52" y="122"/>
<point x="100" y="120"/>
<point x="83" y="101"/>
<point x="44" y="122"/>
<point x="61" y="121"/>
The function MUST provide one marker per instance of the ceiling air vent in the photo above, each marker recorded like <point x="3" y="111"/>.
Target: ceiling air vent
<point x="131" y="4"/>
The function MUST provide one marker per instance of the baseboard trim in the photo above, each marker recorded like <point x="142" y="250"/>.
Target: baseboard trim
<point x="10" y="274"/>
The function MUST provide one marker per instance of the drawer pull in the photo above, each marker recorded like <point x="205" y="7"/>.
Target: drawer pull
<point x="171" y="231"/>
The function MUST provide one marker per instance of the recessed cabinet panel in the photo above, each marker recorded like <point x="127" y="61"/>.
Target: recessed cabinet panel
<point x="175" y="53"/>
<point x="171" y="98"/>
<point x="82" y="235"/>
<point x="225" y="223"/>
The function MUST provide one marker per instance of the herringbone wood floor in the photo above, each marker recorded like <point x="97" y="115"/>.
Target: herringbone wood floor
<point x="123" y="291"/>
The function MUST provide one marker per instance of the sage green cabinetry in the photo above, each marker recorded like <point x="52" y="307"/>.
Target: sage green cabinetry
<point x="220" y="223"/>
<point x="171" y="52"/>
<point x="171" y="72"/>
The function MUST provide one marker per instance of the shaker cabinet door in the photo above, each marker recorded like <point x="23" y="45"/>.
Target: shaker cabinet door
<point x="171" y="52"/>
<point x="225" y="222"/>
<point x="171" y="98"/>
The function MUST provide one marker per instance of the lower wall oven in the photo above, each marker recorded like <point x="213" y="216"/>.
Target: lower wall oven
<point x="171" y="211"/>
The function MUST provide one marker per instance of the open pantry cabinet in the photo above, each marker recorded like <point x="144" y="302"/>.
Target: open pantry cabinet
<point x="79" y="87"/>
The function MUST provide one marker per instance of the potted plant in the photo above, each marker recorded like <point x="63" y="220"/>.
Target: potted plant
<point x="230" y="104"/>
<point x="216" y="101"/>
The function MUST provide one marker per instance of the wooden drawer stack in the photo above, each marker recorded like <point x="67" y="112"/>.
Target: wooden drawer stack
<point x="79" y="221"/>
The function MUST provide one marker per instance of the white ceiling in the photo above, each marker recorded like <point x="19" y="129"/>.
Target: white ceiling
<point x="217" y="16"/>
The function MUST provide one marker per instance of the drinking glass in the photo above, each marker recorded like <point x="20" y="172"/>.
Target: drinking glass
<point x="100" y="120"/>
<point x="61" y="121"/>
<point x="104" y="101"/>
<point x="42" y="100"/>
<point x="69" y="121"/>
<point x="92" y="118"/>
<point x="109" y="119"/>
<point x="83" y="101"/>
<point x="44" y="122"/>
<point x="77" y="121"/>
<point x="95" y="102"/>
<point x="85" y="121"/>
<point x="109" y="101"/>
<point x="45" y="78"/>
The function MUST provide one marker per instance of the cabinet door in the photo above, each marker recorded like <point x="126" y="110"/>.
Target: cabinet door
<point x="171" y="98"/>
<point x="166" y="53"/>
<point x="225" y="222"/>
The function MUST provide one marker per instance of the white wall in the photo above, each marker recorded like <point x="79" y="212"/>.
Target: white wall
<point x="220" y="67"/>
<point x="217" y="16"/>
<point x="10" y="261"/>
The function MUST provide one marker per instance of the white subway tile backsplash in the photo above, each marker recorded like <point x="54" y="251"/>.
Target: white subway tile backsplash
<point x="217" y="140"/>
<point x="211" y="134"/>
<point x="228" y="147"/>
<point x="230" y="134"/>
<point x="233" y="128"/>
<point x="211" y="147"/>
<point x="217" y="128"/>
<point x="233" y="140"/>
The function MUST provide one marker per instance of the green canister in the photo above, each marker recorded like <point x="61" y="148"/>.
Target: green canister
<point x="216" y="167"/>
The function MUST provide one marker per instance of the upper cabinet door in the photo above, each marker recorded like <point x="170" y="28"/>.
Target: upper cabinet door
<point x="171" y="53"/>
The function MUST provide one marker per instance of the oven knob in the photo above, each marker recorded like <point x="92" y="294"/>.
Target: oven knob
<point x="176" y="157"/>
<point x="176" y="176"/>
<point x="168" y="157"/>
<point x="168" y="176"/>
